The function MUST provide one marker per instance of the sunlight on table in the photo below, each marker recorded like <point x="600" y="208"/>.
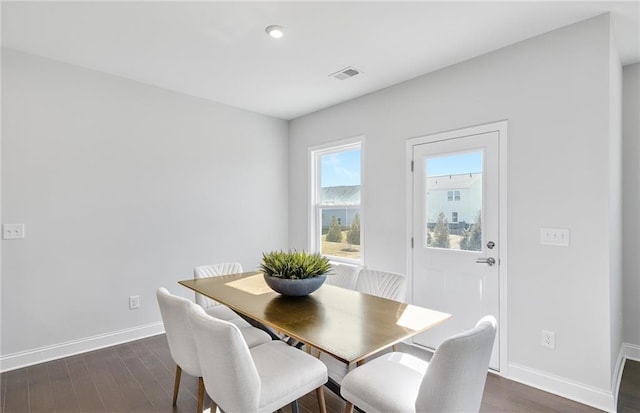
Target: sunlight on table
<point x="414" y="317"/>
<point x="253" y="285"/>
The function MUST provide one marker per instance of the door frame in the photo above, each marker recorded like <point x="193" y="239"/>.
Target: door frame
<point x="501" y="128"/>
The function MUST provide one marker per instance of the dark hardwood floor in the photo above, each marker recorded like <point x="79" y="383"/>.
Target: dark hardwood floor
<point x="629" y="394"/>
<point x="138" y="377"/>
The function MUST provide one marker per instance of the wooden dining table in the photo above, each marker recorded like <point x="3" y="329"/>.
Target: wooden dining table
<point x="347" y="324"/>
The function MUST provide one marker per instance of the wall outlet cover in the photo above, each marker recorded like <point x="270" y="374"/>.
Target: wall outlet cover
<point x="555" y="236"/>
<point x="12" y="231"/>
<point x="548" y="339"/>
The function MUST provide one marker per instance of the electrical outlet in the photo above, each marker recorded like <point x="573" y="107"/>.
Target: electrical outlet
<point x="555" y="236"/>
<point x="134" y="302"/>
<point x="548" y="339"/>
<point x="13" y="231"/>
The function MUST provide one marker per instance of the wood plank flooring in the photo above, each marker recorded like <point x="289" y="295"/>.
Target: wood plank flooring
<point x="629" y="394"/>
<point x="138" y="377"/>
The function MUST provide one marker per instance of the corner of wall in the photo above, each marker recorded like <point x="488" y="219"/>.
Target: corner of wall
<point x="631" y="202"/>
<point x="615" y="204"/>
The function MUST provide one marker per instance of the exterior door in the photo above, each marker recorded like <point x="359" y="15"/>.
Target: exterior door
<point x="456" y="245"/>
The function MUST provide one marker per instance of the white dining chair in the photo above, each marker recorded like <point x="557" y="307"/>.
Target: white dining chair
<point x="264" y="378"/>
<point x="342" y="275"/>
<point x="214" y="270"/>
<point x="453" y="381"/>
<point x="174" y="311"/>
<point x="382" y="284"/>
<point x="182" y="346"/>
<point x="252" y="335"/>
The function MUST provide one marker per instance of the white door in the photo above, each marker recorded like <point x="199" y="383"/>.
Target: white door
<point x="456" y="251"/>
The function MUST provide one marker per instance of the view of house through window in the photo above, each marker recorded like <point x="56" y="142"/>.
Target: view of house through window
<point x="454" y="201"/>
<point x="338" y="187"/>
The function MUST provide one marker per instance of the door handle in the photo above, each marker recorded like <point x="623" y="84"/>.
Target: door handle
<point x="489" y="261"/>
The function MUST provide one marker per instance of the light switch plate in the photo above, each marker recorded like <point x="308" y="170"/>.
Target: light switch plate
<point x="555" y="236"/>
<point x="12" y="231"/>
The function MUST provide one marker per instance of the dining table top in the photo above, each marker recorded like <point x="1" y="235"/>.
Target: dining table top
<point x="344" y="323"/>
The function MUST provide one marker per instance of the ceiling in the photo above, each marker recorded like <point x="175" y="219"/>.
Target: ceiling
<point x="219" y="50"/>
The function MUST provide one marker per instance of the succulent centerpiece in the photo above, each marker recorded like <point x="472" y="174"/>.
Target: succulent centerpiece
<point x="294" y="273"/>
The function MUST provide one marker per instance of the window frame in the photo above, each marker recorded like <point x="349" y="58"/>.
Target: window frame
<point x="314" y="223"/>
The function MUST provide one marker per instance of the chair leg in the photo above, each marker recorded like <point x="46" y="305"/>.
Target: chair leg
<point x="200" y="395"/>
<point x="176" y="384"/>
<point x="321" y="403"/>
<point x="348" y="408"/>
<point x="294" y="406"/>
<point x="214" y="407"/>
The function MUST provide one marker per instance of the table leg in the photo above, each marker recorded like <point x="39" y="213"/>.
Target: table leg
<point x="348" y="408"/>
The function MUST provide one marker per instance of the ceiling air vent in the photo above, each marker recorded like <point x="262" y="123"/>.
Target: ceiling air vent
<point x="345" y="73"/>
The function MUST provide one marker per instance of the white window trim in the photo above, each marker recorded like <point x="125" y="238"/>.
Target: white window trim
<point x="313" y="220"/>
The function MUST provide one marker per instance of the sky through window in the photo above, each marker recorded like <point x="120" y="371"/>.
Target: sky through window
<point x="340" y="168"/>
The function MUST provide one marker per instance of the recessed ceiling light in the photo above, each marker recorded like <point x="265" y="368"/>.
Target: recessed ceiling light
<point x="275" y="31"/>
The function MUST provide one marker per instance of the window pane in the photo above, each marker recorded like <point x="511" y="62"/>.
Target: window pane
<point x="340" y="178"/>
<point x="339" y="204"/>
<point x="341" y="232"/>
<point x="454" y="190"/>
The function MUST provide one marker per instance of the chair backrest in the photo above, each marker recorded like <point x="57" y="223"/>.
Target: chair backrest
<point x="214" y="270"/>
<point x="383" y="284"/>
<point x="229" y="373"/>
<point x="175" y="316"/>
<point x="344" y="276"/>
<point x="457" y="372"/>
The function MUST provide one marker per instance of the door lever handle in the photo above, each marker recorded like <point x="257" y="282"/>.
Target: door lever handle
<point x="489" y="261"/>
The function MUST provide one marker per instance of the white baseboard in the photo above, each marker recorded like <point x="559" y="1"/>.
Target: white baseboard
<point x="630" y="351"/>
<point x="599" y="398"/>
<point x="627" y="351"/>
<point x="30" y="357"/>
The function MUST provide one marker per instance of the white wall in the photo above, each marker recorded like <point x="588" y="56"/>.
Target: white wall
<point x="123" y="188"/>
<point x="554" y="92"/>
<point x="615" y="205"/>
<point x="631" y="203"/>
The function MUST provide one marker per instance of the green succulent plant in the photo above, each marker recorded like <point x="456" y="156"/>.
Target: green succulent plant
<point x="294" y="265"/>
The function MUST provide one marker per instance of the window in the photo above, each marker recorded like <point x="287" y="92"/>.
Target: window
<point x="450" y="223"/>
<point x="336" y="224"/>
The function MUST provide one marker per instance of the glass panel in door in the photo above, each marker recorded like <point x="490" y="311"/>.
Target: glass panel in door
<point x="453" y="201"/>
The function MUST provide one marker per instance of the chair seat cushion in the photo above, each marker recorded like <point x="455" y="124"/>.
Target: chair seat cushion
<point x="286" y="374"/>
<point x="387" y="384"/>
<point x="252" y="336"/>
